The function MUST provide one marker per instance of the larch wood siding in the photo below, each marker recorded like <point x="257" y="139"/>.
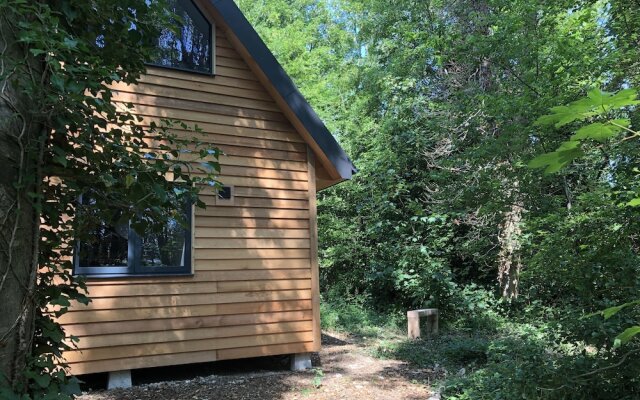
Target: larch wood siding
<point x="254" y="291"/>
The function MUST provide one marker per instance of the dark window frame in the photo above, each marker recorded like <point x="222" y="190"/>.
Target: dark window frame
<point x="212" y="50"/>
<point x="134" y="266"/>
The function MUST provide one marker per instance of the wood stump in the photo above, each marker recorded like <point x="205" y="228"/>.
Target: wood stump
<point x="413" y="322"/>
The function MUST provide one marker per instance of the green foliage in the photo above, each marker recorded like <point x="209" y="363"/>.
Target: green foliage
<point x="601" y="105"/>
<point x="528" y="363"/>
<point x="611" y="311"/>
<point x="597" y="104"/>
<point x="352" y="316"/>
<point x="439" y="104"/>
<point x="626" y="336"/>
<point x="518" y="360"/>
<point x="318" y="376"/>
<point x="89" y="145"/>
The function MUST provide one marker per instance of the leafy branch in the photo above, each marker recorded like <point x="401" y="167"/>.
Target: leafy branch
<point x="71" y="138"/>
<point x="599" y="109"/>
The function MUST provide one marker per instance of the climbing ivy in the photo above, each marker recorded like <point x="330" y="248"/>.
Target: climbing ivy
<point x="68" y="137"/>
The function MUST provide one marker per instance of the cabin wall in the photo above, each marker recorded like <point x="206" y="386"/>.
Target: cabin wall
<point x="254" y="291"/>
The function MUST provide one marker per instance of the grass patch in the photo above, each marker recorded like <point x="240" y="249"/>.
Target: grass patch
<point x="357" y="320"/>
<point x="489" y="357"/>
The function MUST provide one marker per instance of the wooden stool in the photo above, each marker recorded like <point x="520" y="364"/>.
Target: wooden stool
<point x="413" y="322"/>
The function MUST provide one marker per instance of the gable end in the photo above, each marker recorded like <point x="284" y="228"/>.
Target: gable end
<point x="337" y="163"/>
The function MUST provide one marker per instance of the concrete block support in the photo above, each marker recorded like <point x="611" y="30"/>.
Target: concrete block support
<point x="119" y="379"/>
<point x="413" y="322"/>
<point x="300" y="361"/>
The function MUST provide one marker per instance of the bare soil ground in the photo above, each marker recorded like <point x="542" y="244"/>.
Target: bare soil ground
<point x="342" y="370"/>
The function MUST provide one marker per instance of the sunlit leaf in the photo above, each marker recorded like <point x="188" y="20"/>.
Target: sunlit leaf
<point x="555" y="161"/>
<point x="601" y="131"/>
<point x="543" y="160"/>
<point x="596" y="96"/>
<point x="611" y="311"/>
<point x="634" y="202"/>
<point x="626" y="336"/>
<point x="624" y="98"/>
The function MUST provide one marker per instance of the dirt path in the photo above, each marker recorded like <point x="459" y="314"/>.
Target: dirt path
<point x="342" y="370"/>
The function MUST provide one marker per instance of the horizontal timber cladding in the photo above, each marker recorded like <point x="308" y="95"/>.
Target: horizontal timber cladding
<point x="217" y="117"/>
<point x="136" y="290"/>
<point x="239" y="150"/>
<point x="238" y="132"/>
<point x="178" y="97"/>
<point x="247" y="202"/>
<point x="253" y="290"/>
<point x="245" y="212"/>
<point x="240" y="254"/>
<point x="231" y="139"/>
<point x="206" y="87"/>
<point x="251" y="233"/>
<point x="251" y="243"/>
<point x="245" y="352"/>
<point x="226" y="270"/>
<point x="151" y="325"/>
<point x="262" y="203"/>
<point x="279" y="175"/>
<point x="223" y="81"/>
<point x="175" y="335"/>
<point x="123" y="302"/>
<point x="98" y="317"/>
<point x="200" y="106"/>
<point x="190" y="357"/>
<point x="251" y="223"/>
<point x="141" y="350"/>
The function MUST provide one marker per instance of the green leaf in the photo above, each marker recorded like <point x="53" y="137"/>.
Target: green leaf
<point x="596" y="95"/>
<point x="555" y="161"/>
<point x="58" y="82"/>
<point x="37" y="52"/>
<point x="626" y="336"/>
<point x="563" y="115"/>
<point x="70" y="43"/>
<point x="61" y="301"/>
<point x="569" y="145"/>
<point x="597" y="102"/>
<point x="8" y="394"/>
<point x="543" y="160"/>
<point x="42" y="380"/>
<point x="624" y="98"/>
<point x="634" y="202"/>
<point x="72" y="387"/>
<point x="69" y="11"/>
<point x="129" y="180"/>
<point x="601" y="131"/>
<point x="611" y="311"/>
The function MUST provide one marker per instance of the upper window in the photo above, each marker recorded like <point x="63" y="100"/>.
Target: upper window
<point x="189" y="44"/>
<point x="117" y="250"/>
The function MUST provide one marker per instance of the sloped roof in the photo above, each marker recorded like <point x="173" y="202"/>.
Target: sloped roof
<point x="239" y="26"/>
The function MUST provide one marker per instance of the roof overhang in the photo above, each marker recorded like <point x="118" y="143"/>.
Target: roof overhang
<point x="334" y="161"/>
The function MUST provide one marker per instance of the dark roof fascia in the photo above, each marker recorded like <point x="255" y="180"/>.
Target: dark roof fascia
<point x="283" y="84"/>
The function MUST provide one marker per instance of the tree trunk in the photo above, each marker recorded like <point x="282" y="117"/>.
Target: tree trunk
<point x="21" y="140"/>
<point x="509" y="263"/>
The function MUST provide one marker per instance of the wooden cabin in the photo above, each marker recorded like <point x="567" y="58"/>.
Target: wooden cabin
<point x="246" y="281"/>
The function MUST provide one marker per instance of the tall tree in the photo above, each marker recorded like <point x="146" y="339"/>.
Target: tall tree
<point x="62" y="137"/>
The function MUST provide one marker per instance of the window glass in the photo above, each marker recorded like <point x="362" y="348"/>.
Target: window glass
<point x="189" y="44"/>
<point x="115" y="249"/>
<point x="166" y="248"/>
<point x="109" y="247"/>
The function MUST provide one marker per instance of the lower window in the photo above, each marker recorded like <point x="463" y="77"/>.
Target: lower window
<point x="117" y="250"/>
